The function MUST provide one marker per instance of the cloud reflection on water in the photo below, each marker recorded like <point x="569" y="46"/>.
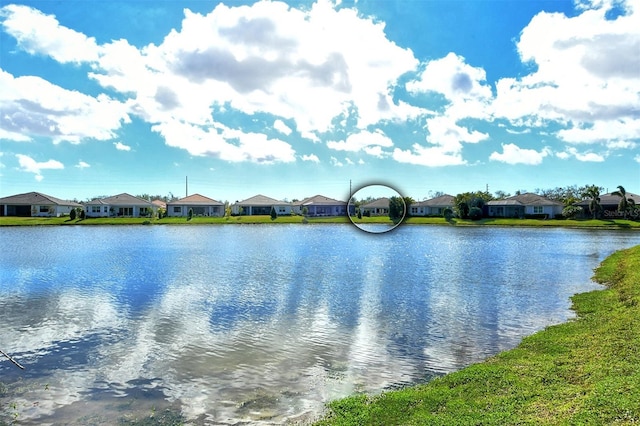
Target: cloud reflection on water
<point x="271" y="322"/>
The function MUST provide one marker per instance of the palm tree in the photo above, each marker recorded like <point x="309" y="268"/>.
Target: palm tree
<point x="593" y="192"/>
<point x="623" y="205"/>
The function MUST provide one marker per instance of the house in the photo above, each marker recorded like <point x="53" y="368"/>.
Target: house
<point x="198" y="204"/>
<point x="118" y="206"/>
<point x="319" y="205"/>
<point x="379" y="207"/>
<point x="609" y="204"/>
<point x="35" y="204"/>
<point x="260" y="205"/>
<point x="433" y="207"/>
<point x="522" y="205"/>
<point x="160" y="204"/>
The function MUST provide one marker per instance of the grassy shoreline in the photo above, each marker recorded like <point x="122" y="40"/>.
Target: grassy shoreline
<point x="584" y="371"/>
<point x="65" y="221"/>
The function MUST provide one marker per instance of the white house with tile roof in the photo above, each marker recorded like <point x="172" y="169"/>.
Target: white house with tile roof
<point x="35" y="204"/>
<point x="121" y="205"/>
<point x="199" y="204"/>
<point x="260" y="205"/>
<point x="319" y="205"/>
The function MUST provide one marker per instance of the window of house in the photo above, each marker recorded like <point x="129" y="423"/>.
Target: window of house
<point x="44" y="209"/>
<point x="96" y="209"/>
<point x="538" y="210"/>
<point x="177" y="209"/>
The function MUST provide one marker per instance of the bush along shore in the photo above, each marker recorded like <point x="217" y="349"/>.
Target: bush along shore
<point x="583" y="372"/>
<point x="265" y="219"/>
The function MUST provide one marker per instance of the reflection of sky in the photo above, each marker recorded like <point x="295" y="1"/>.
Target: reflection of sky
<point x="241" y="322"/>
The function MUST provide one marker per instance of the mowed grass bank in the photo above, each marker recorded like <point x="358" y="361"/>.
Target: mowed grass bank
<point x="198" y="220"/>
<point x="583" y="372"/>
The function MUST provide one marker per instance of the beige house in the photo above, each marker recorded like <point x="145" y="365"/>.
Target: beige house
<point x="35" y="204"/>
<point x="121" y="205"/>
<point x="319" y="205"/>
<point x="260" y="205"/>
<point x="199" y="204"/>
<point x="433" y="207"/>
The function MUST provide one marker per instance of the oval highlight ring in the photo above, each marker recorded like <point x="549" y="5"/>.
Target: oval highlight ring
<point x="376" y="208"/>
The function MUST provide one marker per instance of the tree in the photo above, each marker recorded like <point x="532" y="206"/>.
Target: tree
<point x="464" y="202"/>
<point x="396" y="208"/>
<point x="72" y="214"/>
<point x="407" y="203"/>
<point x="593" y="193"/>
<point x="571" y="212"/>
<point x="305" y="211"/>
<point x="190" y="214"/>
<point x="625" y="203"/>
<point x="359" y="214"/>
<point x="82" y="214"/>
<point x="274" y="214"/>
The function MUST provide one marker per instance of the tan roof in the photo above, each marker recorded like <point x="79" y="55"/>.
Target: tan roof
<point x="319" y="200"/>
<point x="441" y="201"/>
<point x="611" y="200"/>
<point x="380" y="202"/>
<point x="36" y="198"/>
<point x="261" y="200"/>
<point x="123" y="199"/>
<point x="527" y="199"/>
<point x="196" y="199"/>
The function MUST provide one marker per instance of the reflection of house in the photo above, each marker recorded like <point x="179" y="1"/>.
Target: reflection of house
<point x="433" y="207"/>
<point x="35" y="204"/>
<point x="524" y="204"/>
<point x="378" y="207"/>
<point x="119" y="205"/>
<point x="609" y="204"/>
<point x="260" y="204"/>
<point x="199" y="204"/>
<point x="320" y="205"/>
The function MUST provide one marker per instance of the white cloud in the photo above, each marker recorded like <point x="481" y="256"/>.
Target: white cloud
<point x="225" y="143"/>
<point x="30" y="165"/>
<point x="311" y="157"/>
<point x="369" y="142"/>
<point x="121" y="147"/>
<point x="83" y="165"/>
<point x="637" y="158"/>
<point x="513" y="154"/>
<point x="430" y="156"/>
<point x="586" y="75"/>
<point x="586" y="157"/>
<point x="34" y="107"/>
<point x="38" y="33"/>
<point x="335" y="162"/>
<point x="281" y="127"/>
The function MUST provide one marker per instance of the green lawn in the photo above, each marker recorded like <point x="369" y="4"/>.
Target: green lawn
<point x="583" y="372"/>
<point x="603" y="224"/>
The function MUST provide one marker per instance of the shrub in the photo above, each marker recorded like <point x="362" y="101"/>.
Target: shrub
<point x="190" y="214"/>
<point x="82" y="215"/>
<point x="448" y="214"/>
<point x="274" y="214"/>
<point x="72" y="214"/>
<point x="571" y="212"/>
<point x="475" y="213"/>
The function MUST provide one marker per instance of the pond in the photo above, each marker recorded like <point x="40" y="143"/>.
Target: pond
<point x="266" y="323"/>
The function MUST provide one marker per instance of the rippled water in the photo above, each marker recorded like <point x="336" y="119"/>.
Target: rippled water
<point x="266" y="323"/>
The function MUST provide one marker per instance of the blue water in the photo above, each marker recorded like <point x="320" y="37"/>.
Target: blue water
<point x="265" y="324"/>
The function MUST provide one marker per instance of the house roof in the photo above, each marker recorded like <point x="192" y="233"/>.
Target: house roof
<point x="441" y="201"/>
<point x="196" y="199"/>
<point x="36" y="198"/>
<point x="527" y="199"/>
<point x="319" y="200"/>
<point x="159" y="203"/>
<point x="379" y="203"/>
<point x="261" y="200"/>
<point x="611" y="200"/>
<point x="123" y="199"/>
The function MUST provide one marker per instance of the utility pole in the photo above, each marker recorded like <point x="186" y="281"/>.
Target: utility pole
<point x="186" y="186"/>
<point x="350" y="193"/>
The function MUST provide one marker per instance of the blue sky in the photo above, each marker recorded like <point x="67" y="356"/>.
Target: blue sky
<point x="295" y="99"/>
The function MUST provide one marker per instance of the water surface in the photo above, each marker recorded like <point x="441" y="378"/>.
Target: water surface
<point x="265" y="324"/>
